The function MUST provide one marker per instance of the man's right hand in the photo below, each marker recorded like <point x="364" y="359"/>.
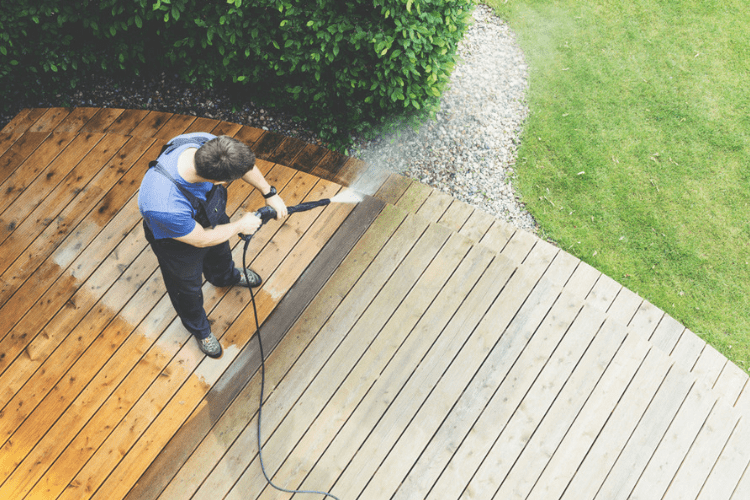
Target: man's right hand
<point x="249" y="223"/>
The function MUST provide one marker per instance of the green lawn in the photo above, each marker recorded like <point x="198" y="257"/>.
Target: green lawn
<point x="636" y="154"/>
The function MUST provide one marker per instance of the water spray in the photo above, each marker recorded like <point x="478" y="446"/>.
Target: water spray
<point x="266" y="214"/>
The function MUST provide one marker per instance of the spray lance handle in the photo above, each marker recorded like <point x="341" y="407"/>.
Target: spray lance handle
<point x="265" y="214"/>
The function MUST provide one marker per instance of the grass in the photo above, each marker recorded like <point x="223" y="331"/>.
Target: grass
<point x="636" y="154"/>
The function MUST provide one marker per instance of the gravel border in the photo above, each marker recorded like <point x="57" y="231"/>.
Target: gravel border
<point x="468" y="151"/>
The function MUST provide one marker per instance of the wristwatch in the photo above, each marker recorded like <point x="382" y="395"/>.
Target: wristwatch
<point x="271" y="193"/>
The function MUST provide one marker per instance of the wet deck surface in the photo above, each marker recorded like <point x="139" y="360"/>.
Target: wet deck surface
<point x="416" y="347"/>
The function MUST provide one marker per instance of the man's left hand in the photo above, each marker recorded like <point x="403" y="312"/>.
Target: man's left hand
<point x="278" y="205"/>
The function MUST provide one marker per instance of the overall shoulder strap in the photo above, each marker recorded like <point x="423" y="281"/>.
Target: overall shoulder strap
<point x="182" y="140"/>
<point x="194" y="201"/>
<point x="176" y="143"/>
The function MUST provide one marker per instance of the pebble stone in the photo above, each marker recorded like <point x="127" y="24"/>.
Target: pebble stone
<point x="467" y="151"/>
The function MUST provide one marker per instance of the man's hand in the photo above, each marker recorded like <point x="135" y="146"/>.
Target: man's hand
<point x="249" y="223"/>
<point x="278" y="205"/>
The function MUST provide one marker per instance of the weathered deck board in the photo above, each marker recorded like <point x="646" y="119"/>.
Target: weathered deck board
<point x="416" y="347"/>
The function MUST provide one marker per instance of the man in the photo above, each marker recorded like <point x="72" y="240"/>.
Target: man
<point x="183" y="202"/>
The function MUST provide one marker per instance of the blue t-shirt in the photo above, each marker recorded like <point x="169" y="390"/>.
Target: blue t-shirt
<point x="164" y="208"/>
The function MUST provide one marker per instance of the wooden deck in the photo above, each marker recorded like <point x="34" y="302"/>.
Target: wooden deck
<point x="416" y="348"/>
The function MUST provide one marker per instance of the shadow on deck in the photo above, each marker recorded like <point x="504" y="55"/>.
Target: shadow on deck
<point x="416" y="347"/>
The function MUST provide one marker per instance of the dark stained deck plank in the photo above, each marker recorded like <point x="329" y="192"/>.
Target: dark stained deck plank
<point x="48" y="225"/>
<point x="36" y="237"/>
<point x="50" y="282"/>
<point x="226" y="128"/>
<point x="250" y="135"/>
<point x="63" y="411"/>
<point x="308" y="157"/>
<point x="330" y="166"/>
<point x="267" y="144"/>
<point x="126" y="121"/>
<point x="287" y="150"/>
<point x="28" y="171"/>
<point x="136" y="150"/>
<point x="49" y="120"/>
<point x="19" y="151"/>
<point x="76" y="120"/>
<point x="7" y="139"/>
<point x="102" y="119"/>
<point x="23" y="121"/>
<point x="149" y="126"/>
<point x="104" y="208"/>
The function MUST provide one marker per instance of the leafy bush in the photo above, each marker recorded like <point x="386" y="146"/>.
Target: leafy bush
<point x="345" y="66"/>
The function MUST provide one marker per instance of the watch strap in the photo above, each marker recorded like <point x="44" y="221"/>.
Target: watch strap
<point x="271" y="193"/>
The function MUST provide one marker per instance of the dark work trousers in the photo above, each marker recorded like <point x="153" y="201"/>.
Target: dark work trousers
<point x="183" y="267"/>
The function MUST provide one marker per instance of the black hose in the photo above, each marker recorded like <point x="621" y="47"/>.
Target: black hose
<point x="271" y="213"/>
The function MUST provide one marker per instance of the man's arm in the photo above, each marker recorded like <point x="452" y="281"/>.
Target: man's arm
<point x="202" y="237"/>
<point x="255" y="178"/>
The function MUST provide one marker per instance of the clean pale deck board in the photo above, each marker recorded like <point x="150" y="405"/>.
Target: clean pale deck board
<point x="420" y="350"/>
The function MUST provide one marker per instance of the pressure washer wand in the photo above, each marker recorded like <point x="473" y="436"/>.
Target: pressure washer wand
<point x="267" y="213"/>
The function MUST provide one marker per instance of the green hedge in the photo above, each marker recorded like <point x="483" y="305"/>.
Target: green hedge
<point x="343" y="65"/>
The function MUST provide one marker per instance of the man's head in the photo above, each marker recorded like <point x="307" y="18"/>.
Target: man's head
<point x="224" y="159"/>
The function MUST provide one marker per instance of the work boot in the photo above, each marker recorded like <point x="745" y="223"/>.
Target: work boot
<point x="255" y="279"/>
<point x="210" y="346"/>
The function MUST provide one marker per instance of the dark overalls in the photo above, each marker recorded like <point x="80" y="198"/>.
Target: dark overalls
<point x="183" y="266"/>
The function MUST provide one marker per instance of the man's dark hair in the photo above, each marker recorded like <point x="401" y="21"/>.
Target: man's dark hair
<point x="224" y="159"/>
